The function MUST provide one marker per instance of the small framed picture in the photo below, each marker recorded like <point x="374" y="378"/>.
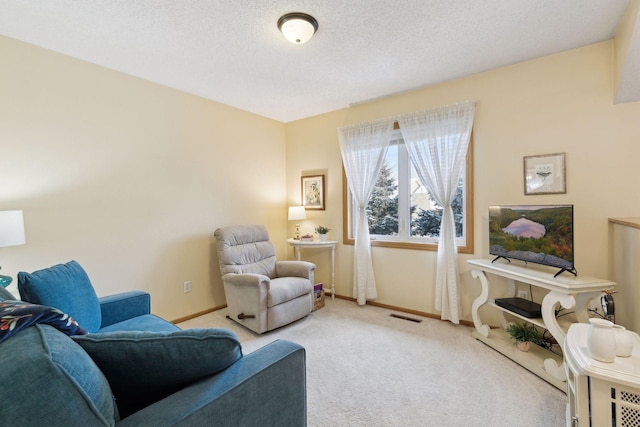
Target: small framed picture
<point x="544" y="174"/>
<point x="313" y="192"/>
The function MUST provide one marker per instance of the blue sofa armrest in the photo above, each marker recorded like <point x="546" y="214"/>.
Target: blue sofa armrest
<point x="266" y="387"/>
<point x="124" y="306"/>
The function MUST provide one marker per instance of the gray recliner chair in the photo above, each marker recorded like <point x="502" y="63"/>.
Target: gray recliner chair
<point x="262" y="293"/>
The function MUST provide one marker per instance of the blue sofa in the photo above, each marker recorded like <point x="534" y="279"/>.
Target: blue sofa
<point x="127" y="367"/>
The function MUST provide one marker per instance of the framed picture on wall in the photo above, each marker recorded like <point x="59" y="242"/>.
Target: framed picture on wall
<point x="544" y="174"/>
<point x="313" y="192"/>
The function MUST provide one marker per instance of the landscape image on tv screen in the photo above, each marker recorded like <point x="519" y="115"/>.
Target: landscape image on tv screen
<point x="538" y="234"/>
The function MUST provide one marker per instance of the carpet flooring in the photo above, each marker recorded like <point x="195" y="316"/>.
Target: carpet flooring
<point x="367" y="368"/>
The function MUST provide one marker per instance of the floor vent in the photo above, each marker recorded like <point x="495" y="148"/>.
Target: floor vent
<point x="411" y="319"/>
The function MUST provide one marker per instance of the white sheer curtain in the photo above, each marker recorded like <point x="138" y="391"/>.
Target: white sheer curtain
<point x="363" y="148"/>
<point x="437" y="141"/>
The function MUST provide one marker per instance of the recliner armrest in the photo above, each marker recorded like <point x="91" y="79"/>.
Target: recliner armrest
<point x="124" y="306"/>
<point x="265" y="387"/>
<point x="295" y="269"/>
<point x="245" y="279"/>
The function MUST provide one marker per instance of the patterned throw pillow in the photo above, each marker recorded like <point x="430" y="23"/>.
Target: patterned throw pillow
<point x="17" y="315"/>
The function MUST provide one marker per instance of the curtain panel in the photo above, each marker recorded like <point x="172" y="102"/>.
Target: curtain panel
<point x="363" y="148"/>
<point x="437" y="141"/>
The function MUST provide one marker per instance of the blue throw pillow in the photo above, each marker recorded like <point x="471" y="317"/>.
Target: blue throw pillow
<point x="64" y="286"/>
<point x="144" y="367"/>
<point x="18" y="315"/>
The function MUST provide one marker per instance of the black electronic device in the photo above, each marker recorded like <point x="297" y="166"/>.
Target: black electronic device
<point x="523" y="307"/>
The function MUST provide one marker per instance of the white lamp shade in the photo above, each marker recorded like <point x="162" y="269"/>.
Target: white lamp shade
<point x="11" y="228"/>
<point x="296" y="213"/>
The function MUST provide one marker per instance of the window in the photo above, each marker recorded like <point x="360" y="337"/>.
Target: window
<point x="401" y="211"/>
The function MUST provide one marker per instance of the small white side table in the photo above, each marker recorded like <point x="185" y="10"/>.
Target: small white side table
<point x="298" y="245"/>
<point x="600" y="394"/>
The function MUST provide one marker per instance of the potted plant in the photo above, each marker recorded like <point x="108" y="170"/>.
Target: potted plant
<point x="523" y="334"/>
<point x="322" y="232"/>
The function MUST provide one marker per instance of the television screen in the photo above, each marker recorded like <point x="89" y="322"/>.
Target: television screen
<point x="542" y="234"/>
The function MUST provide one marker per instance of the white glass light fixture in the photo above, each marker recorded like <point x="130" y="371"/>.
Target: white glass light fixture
<point x="11" y="234"/>
<point x="297" y="213"/>
<point x="297" y="27"/>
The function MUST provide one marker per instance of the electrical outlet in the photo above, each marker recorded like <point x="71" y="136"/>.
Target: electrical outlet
<point x="186" y="286"/>
<point x="523" y="294"/>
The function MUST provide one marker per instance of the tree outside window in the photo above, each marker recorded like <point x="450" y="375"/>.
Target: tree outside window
<point x="382" y="209"/>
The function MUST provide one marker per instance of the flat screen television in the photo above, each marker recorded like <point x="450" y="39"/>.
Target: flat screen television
<point x="541" y="234"/>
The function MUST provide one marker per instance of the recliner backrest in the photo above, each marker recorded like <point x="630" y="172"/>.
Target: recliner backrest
<point x="245" y="249"/>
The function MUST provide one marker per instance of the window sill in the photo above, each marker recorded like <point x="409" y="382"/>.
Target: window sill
<point x="410" y="245"/>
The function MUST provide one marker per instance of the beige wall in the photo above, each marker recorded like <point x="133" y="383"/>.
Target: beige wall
<point x="559" y="103"/>
<point x="130" y="178"/>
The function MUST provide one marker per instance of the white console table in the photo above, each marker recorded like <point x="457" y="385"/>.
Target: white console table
<point x="298" y="245"/>
<point x="601" y="394"/>
<point x="565" y="290"/>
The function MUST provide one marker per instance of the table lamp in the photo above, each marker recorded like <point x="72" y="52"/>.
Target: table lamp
<point x="11" y="234"/>
<point x="297" y="213"/>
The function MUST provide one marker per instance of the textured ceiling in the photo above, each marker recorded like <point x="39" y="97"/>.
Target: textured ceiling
<point x="230" y="51"/>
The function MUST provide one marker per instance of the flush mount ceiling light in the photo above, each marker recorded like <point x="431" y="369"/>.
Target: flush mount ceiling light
<point x="297" y="27"/>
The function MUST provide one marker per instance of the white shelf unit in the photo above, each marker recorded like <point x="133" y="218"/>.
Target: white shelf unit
<point x="569" y="292"/>
<point x="531" y="360"/>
